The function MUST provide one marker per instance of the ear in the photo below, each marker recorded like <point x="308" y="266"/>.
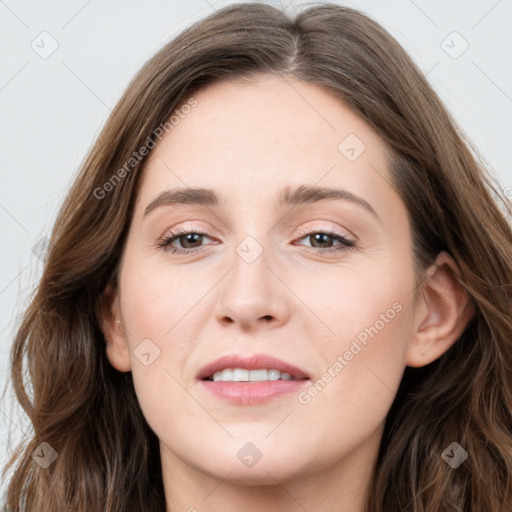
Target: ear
<point x="117" y="348"/>
<point x="443" y="311"/>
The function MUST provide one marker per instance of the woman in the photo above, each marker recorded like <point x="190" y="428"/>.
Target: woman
<point x="342" y="338"/>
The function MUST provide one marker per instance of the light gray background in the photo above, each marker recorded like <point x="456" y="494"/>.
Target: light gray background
<point x="53" y="108"/>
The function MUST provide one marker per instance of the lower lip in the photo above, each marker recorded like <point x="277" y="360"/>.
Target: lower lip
<point x="253" y="392"/>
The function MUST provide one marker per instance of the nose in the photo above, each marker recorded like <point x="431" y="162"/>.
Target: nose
<point x="252" y="296"/>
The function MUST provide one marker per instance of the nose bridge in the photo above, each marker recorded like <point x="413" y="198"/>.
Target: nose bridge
<point x="251" y="293"/>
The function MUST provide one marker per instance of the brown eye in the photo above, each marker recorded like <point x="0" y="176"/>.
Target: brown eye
<point x="324" y="240"/>
<point x="189" y="241"/>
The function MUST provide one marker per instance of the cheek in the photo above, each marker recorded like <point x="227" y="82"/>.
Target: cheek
<point x="159" y="300"/>
<point x="154" y="306"/>
<point x="363" y="363"/>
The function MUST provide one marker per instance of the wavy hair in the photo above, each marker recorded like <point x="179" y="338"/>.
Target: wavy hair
<point x="108" y="457"/>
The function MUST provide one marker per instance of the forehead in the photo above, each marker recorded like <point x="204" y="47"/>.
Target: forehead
<point x="252" y="138"/>
<point x="283" y="113"/>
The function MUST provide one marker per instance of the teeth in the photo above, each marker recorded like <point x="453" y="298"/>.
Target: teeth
<point x="242" y="375"/>
<point x="257" y="375"/>
<point x="274" y="374"/>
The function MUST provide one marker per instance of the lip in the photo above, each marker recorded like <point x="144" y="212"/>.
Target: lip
<point x="252" y="362"/>
<point x="251" y="393"/>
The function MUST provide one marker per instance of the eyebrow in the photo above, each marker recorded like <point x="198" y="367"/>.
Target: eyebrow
<point x="303" y="194"/>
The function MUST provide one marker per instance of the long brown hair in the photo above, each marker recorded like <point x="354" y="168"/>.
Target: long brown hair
<point x="108" y="458"/>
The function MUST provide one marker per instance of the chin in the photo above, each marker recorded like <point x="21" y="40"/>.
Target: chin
<point x="247" y="466"/>
<point x="261" y="474"/>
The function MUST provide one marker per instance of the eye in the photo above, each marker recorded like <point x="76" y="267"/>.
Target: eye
<point x="322" y="240"/>
<point x="186" y="237"/>
<point x="190" y="241"/>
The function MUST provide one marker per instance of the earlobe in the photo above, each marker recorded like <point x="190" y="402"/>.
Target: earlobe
<point x="117" y="349"/>
<point x="444" y="311"/>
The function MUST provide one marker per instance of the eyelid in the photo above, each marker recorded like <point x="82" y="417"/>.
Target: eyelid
<point x="322" y="228"/>
<point x="187" y="228"/>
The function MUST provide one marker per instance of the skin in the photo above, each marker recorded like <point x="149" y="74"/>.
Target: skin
<point x="294" y="302"/>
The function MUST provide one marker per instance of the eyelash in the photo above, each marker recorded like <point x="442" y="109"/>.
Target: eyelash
<point x="165" y="242"/>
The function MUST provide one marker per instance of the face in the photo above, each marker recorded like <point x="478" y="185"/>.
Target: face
<point x="323" y="284"/>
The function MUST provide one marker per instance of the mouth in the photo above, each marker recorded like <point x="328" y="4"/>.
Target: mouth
<point x="251" y="379"/>
<point x="244" y="375"/>
<point x="253" y="368"/>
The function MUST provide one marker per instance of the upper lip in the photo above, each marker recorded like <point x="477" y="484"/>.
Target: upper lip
<point x="253" y="362"/>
